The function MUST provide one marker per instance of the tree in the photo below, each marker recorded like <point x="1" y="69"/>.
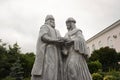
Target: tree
<point x="17" y="70"/>
<point x="27" y="61"/>
<point x="97" y="76"/>
<point x="118" y="57"/>
<point x="9" y="55"/>
<point x="15" y="49"/>
<point x="94" y="66"/>
<point x="107" y="56"/>
<point x="4" y="65"/>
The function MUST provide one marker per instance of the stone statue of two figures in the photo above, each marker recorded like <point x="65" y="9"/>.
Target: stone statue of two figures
<point x="60" y="58"/>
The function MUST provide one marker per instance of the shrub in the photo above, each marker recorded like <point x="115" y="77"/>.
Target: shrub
<point x="115" y="74"/>
<point x="97" y="76"/>
<point x="26" y="79"/>
<point x="107" y="57"/>
<point x="109" y="77"/>
<point x="9" y="78"/>
<point x="94" y="66"/>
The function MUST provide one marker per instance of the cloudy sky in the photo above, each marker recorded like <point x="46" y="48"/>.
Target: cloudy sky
<point x="20" y="20"/>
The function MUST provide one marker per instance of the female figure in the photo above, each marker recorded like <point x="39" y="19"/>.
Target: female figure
<point x="75" y="67"/>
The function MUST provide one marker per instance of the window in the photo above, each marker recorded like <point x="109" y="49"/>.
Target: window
<point x="93" y="47"/>
<point x="100" y="44"/>
<point x="115" y="36"/>
<point x="109" y="42"/>
<point x="88" y="49"/>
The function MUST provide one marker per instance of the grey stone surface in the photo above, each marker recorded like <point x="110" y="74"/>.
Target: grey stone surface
<point x="47" y="53"/>
<point x="60" y="58"/>
<point x="75" y="67"/>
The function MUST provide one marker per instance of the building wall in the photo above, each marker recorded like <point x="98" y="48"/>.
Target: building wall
<point x="110" y="38"/>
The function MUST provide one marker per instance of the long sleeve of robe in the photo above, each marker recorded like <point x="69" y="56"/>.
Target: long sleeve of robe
<point x="40" y="50"/>
<point x="80" y="44"/>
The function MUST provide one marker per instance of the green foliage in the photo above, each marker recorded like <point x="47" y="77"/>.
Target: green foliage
<point x="112" y="75"/>
<point x="107" y="57"/>
<point x="17" y="70"/>
<point x="118" y="56"/>
<point x="8" y="57"/>
<point x="27" y="63"/>
<point x="94" y="66"/>
<point x="97" y="76"/>
<point x="4" y="61"/>
<point x="115" y="74"/>
<point x="109" y="77"/>
<point x="15" y="49"/>
<point x="26" y="79"/>
<point x="9" y="78"/>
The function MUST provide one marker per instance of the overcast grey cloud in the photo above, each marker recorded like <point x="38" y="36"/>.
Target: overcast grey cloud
<point x="20" y="20"/>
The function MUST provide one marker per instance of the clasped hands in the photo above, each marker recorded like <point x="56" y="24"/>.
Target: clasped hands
<point x="64" y="41"/>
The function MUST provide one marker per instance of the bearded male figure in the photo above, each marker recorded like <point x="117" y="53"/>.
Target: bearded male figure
<point x="48" y="56"/>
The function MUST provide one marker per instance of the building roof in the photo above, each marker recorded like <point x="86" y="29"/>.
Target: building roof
<point x="104" y="31"/>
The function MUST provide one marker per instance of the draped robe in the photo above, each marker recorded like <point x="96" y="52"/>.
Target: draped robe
<point x="48" y="56"/>
<point x="75" y="67"/>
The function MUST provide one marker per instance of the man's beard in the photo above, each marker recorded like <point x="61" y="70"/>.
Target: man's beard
<point x="53" y="26"/>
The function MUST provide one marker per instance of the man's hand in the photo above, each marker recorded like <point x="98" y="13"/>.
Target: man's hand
<point x="59" y="42"/>
<point x="62" y="39"/>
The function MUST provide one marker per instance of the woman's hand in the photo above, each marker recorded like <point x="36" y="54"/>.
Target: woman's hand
<point x="62" y="39"/>
<point x="69" y="42"/>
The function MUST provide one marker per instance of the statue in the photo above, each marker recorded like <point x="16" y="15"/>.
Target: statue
<point x="60" y="58"/>
<point x="48" y="55"/>
<point x="75" y="67"/>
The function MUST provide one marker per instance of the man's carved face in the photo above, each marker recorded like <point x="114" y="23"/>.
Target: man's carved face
<point x="51" y="22"/>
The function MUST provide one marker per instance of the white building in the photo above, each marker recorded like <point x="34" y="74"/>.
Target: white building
<point x="110" y="36"/>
